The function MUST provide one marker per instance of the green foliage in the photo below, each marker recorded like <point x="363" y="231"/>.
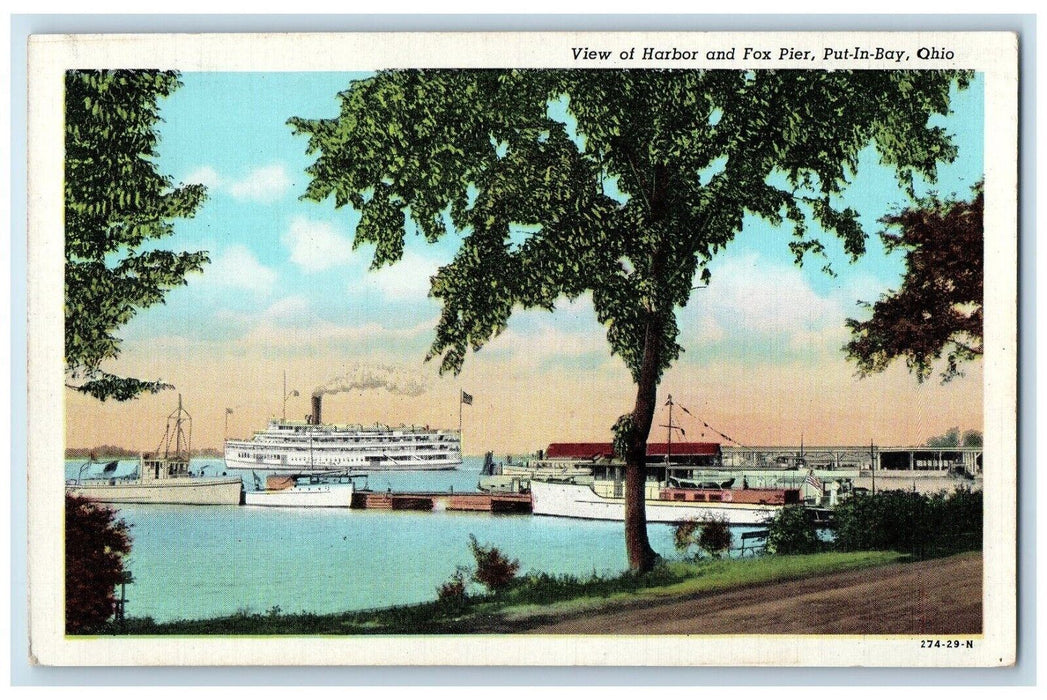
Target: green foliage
<point x="711" y="536"/>
<point x="792" y="532"/>
<point x="914" y="523"/>
<point x="950" y="438"/>
<point x="116" y="205"/>
<point x="491" y="154"/>
<point x="622" y="430"/>
<point x="938" y="309"/>
<point x="493" y="569"/>
<point x="96" y="543"/>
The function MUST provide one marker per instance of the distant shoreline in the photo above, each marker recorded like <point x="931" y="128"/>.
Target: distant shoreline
<point x="111" y="451"/>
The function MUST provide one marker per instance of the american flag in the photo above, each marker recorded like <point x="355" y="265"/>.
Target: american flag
<point x="813" y="480"/>
<point x="467" y="399"/>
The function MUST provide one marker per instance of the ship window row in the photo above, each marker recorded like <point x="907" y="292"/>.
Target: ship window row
<point x="417" y="445"/>
<point x="321" y="457"/>
<point x="322" y="444"/>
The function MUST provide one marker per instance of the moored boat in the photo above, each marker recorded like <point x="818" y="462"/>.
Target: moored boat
<point x="662" y="505"/>
<point x="160" y="479"/>
<point x="304" y="491"/>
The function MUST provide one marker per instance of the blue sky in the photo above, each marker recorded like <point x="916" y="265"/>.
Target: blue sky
<point x="285" y="284"/>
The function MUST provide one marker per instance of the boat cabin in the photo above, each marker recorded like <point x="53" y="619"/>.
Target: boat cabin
<point x="159" y="468"/>
<point x="677" y="459"/>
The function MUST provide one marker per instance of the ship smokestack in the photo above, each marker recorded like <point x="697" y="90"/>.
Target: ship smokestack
<point x="317" y="398"/>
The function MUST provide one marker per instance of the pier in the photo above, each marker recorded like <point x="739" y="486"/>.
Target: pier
<point x="472" y="502"/>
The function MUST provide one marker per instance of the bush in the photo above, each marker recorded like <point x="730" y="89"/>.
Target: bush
<point x="711" y="535"/>
<point x="95" y="546"/>
<point x="452" y="591"/>
<point x="792" y="532"/>
<point x="493" y="569"/>
<point x="906" y="521"/>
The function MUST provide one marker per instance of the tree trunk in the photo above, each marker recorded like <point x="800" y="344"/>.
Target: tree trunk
<point x="637" y="545"/>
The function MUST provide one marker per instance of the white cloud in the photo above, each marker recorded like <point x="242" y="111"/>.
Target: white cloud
<point x="238" y="268"/>
<point x="264" y="184"/>
<point x="204" y="175"/>
<point x="288" y="311"/>
<point x="767" y="298"/>
<point x="549" y="340"/>
<point x="406" y="279"/>
<point x="751" y="302"/>
<point x="316" y="245"/>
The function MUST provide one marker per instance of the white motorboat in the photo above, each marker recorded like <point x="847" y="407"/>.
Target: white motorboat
<point x="304" y="491"/>
<point x="662" y="505"/>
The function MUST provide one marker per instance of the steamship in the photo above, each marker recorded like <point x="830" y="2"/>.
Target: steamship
<point x="310" y="446"/>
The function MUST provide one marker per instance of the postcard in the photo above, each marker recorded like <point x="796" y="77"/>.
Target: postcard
<point x="523" y="349"/>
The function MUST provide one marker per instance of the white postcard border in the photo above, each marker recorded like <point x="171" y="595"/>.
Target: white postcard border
<point x="993" y="53"/>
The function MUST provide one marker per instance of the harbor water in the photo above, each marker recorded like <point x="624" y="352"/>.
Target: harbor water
<point x="193" y="562"/>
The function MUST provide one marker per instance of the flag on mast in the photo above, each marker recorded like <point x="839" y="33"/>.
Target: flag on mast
<point x="467" y="399"/>
<point x="813" y="480"/>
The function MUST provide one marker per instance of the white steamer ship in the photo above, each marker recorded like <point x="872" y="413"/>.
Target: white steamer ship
<point x="310" y="446"/>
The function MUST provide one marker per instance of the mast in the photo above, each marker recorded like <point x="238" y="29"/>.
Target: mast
<point x="669" y="431"/>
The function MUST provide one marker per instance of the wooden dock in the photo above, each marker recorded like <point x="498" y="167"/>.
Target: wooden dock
<point x="474" y="502"/>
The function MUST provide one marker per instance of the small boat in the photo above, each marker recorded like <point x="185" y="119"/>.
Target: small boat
<point x="662" y="504"/>
<point x="328" y="490"/>
<point x="165" y="478"/>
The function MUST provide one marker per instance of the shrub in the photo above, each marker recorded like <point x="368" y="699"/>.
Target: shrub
<point x="906" y="521"/>
<point x="792" y="532"/>
<point x="95" y="546"/>
<point x="711" y="535"/>
<point x="493" y="569"/>
<point x="683" y="535"/>
<point x="715" y="537"/>
<point x="452" y="592"/>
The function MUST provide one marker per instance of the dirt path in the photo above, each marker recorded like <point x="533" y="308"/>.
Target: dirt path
<point x="935" y="597"/>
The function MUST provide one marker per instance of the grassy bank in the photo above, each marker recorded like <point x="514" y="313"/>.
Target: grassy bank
<point x="532" y="600"/>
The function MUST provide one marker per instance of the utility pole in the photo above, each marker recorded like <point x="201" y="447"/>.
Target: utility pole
<point x="872" y="465"/>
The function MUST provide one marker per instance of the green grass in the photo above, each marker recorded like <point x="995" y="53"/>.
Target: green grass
<point x="535" y="598"/>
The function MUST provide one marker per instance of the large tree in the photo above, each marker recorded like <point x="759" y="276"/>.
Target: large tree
<point x="116" y="204"/>
<point x="938" y="308"/>
<point x="622" y="184"/>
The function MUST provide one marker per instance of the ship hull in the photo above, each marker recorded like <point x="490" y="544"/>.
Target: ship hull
<point x="322" y="496"/>
<point x="580" y="501"/>
<point x="191" y="492"/>
<point x="322" y="463"/>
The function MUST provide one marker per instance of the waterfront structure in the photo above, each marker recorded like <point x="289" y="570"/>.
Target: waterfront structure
<point x="860" y="457"/>
<point x="312" y="446"/>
